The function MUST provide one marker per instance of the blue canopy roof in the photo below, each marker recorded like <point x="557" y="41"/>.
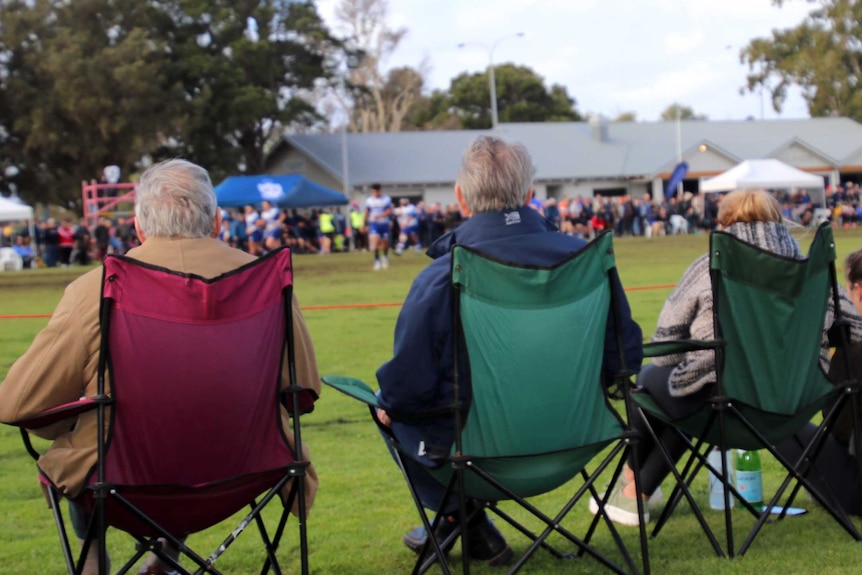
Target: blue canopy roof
<point x="287" y="191"/>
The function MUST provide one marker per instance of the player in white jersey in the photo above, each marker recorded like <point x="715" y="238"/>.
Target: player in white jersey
<point x="378" y="209"/>
<point x="408" y="225"/>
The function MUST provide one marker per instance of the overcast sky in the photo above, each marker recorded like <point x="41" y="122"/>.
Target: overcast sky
<point x="613" y="56"/>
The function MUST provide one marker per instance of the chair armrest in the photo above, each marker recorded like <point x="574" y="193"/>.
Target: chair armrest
<point x="659" y="348"/>
<point x="358" y="389"/>
<point x="52" y="416"/>
<point x="355" y="388"/>
<point x="56" y="414"/>
<point x="306" y="397"/>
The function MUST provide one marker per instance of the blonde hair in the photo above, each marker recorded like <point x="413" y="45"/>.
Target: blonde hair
<point x="748" y="206"/>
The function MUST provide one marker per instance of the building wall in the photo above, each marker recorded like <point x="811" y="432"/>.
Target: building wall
<point x="295" y="162"/>
<point x="801" y="157"/>
<point x="708" y="163"/>
<point x="589" y="189"/>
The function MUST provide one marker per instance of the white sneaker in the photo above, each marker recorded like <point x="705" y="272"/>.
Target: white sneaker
<point x="377" y="265"/>
<point x="385" y="262"/>
<point x="622" y="510"/>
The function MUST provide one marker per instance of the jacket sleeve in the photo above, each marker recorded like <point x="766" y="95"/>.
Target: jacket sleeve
<point x="419" y="375"/>
<point x="690" y="303"/>
<point x="51" y="371"/>
<point x="306" y="362"/>
<point x="849" y="314"/>
<point x="631" y="337"/>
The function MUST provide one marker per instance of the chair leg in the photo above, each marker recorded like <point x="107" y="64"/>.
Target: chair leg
<point x="680" y="481"/>
<point x="54" y="499"/>
<point x="526" y="532"/>
<point x="431" y="544"/>
<point x="642" y="531"/>
<point x="271" y="559"/>
<point x="279" y="532"/>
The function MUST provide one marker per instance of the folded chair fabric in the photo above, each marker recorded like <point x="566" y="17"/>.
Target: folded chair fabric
<point x="769" y="316"/>
<point x="538" y="413"/>
<point x="191" y="396"/>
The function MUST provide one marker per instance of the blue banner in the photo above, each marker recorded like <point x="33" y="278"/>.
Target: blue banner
<point x="676" y="177"/>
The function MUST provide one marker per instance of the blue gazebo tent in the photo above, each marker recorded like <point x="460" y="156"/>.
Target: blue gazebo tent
<point x="286" y="191"/>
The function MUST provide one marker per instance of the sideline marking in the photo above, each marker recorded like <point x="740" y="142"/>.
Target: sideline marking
<point x="342" y="306"/>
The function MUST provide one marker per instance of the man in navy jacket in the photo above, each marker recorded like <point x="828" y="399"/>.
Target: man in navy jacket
<point x="493" y="189"/>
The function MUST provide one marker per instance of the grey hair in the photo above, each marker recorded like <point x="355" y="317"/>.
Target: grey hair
<point x="495" y="174"/>
<point x="175" y="198"/>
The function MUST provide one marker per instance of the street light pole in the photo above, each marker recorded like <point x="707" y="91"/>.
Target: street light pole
<point x="492" y="82"/>
<point x="342" y="69"/>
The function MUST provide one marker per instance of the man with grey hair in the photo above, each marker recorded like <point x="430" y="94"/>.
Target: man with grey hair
<point x="177" y="221"/>
<point x="494" y="187"/>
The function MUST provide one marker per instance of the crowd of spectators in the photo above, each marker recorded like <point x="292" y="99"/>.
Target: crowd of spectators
<point x="65" y="243"/>
<point x="690" y="213"/>
<point x="629" y="216"/>
<point x="326" y="230"/>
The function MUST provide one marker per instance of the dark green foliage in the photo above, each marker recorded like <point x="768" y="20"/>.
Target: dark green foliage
<point x="821" y="56"/>
<point x="89" y="83"/>
<point x="521" y="97"/>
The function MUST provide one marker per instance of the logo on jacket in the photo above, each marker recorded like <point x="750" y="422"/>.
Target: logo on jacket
<point x="512" y="218"/>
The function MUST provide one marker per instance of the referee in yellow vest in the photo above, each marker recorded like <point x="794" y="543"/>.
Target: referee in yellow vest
<point x="327" y="231"/>
<point x="357" y="225"/>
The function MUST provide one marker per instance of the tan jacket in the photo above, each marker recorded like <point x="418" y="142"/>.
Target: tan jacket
<point x="60" y="365"/>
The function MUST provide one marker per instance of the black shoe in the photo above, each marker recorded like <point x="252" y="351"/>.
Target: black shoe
<point x="486" y="543"/>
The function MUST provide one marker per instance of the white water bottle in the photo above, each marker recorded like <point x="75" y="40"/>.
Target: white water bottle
<point x="716" y="487"/>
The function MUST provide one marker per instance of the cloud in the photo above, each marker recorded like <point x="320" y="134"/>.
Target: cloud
<point x="668" y="87"/>
<point x="488" y="19"/>
<point x="677" y="43"/>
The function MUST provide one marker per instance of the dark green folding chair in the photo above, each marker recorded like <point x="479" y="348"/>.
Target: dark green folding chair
<point x="539" y="412"/>
<point x="768" y="316"/>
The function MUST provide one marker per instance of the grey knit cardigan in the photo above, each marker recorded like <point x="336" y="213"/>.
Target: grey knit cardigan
<point x="687" y="313"/>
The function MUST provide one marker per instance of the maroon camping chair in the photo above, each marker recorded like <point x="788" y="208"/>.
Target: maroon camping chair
<point x="193" y="412"/>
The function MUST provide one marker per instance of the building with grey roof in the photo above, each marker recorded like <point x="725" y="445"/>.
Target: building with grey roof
<point x="576" y="158"/>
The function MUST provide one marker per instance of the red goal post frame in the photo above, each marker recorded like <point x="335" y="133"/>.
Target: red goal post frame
<point x="97" y="202"/>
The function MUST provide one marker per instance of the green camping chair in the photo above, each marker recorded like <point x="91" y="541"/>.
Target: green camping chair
<point x="539" y="412"/>
<point x="768" y="317"/>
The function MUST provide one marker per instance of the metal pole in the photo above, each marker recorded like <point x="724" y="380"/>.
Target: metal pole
<point x="345" y="166"/>
<point x="492" y="81"/>
<point x="493" y="86"/>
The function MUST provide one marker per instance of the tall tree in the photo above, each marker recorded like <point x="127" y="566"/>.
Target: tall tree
<point x="521" y="97"/>
<point x="246" y="71"/>
<point x="81" y="86"/>
<point x="822" y="56"/>
<point x="432" y="112"/>
<point x="379" y="99"/>
<point x="679" y="111"/>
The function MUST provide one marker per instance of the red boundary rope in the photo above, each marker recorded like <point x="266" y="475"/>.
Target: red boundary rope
<point x="343" y="306"/>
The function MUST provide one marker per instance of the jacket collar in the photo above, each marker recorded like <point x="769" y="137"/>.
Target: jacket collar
<point x="489" y="226"/>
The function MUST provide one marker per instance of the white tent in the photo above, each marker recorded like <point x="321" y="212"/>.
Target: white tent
<point x="11" y="211"/>
<point x="769" y="174"/>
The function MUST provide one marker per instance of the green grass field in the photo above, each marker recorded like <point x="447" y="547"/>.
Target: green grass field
<point x="363" y="507"/>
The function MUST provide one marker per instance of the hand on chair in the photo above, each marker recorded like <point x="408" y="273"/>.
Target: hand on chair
<point x="384" y="418"/>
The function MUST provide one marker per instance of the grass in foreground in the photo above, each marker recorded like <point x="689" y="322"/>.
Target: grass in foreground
<point x="363" y="507"/>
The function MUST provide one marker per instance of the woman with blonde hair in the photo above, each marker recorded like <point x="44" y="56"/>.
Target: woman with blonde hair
<point x="681" y="383"/>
